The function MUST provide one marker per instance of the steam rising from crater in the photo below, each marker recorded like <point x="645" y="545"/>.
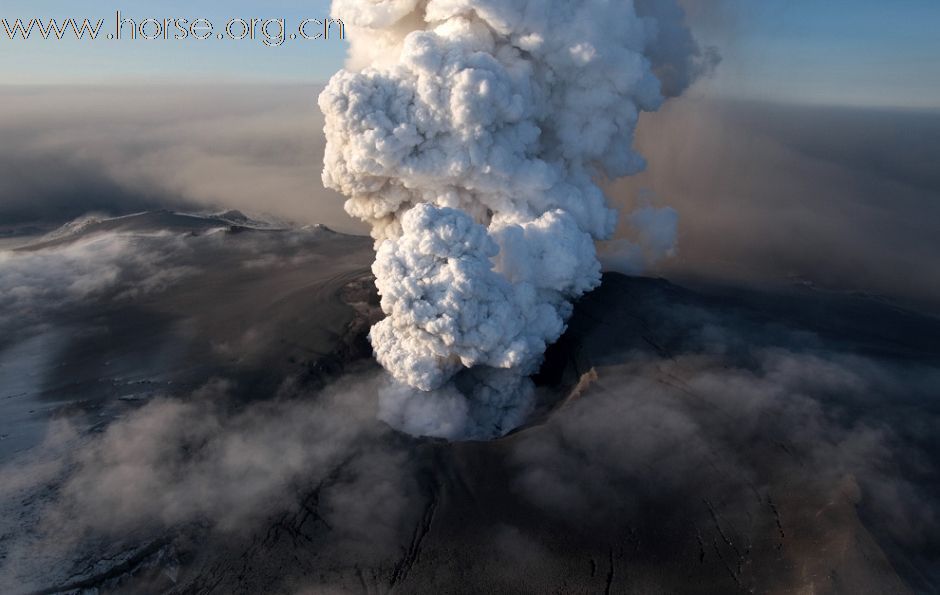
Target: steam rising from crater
<point x="470" y="135"/>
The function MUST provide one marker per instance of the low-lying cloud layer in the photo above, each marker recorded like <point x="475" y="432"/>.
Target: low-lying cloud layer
<point x="835" y="196"/>
<point x="116" y="150"/>
<point x="709" y="432"/>
<point x="37" y="285"/>
<point x="203" y="461"/>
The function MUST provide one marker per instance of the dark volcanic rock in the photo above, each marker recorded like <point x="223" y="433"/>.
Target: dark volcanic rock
<point x="712" y="441"/>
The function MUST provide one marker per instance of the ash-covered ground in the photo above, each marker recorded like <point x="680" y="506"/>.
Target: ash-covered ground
<point x="189" y="406"/>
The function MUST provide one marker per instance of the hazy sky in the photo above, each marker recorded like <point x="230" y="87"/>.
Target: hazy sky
<point x="104" y="61"/>
<point x="840" y="52"/>
<point x="852" y="52"/>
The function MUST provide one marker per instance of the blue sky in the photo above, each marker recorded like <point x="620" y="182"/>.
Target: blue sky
<point x="852" y="52"/>
<point x="841" y="52"/>
<point x="70" y="62"/>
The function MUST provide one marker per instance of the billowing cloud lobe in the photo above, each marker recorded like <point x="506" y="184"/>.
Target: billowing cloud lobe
<point x="471" y="140"/>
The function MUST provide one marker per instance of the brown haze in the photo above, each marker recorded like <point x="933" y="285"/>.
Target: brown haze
<point x="839" y="198"/>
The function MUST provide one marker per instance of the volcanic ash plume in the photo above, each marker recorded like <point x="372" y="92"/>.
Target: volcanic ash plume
<point x="469" y="135"/>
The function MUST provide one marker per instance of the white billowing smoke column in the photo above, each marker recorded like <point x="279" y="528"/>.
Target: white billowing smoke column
<point x="469" y="135"/>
